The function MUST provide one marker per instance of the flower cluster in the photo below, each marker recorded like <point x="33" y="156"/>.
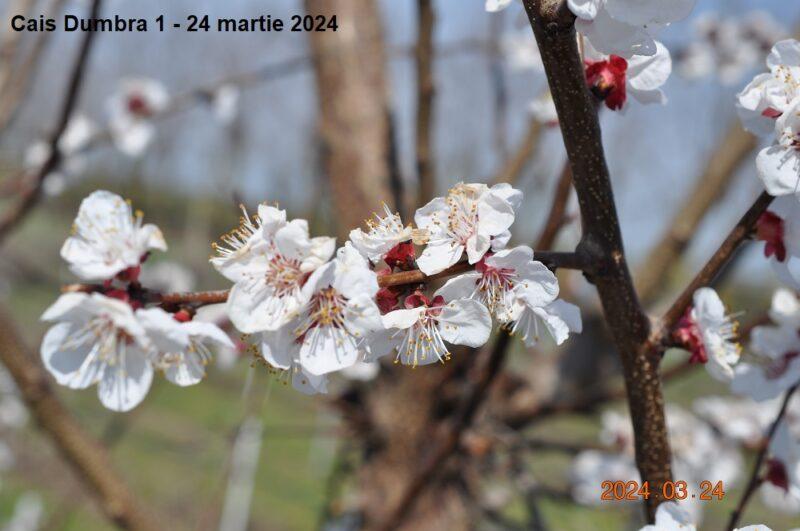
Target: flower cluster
<point x="621" y="58"/>
<point x="109" y="337"/>
<point x="728" y="47"/>
<point x="314" y="311"/>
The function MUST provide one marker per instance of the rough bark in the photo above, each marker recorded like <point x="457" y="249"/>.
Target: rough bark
<point x="354" y="115"/>
<point x="553" y="27"/>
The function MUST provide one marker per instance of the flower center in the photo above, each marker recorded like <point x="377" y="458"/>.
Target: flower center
<point x="462" y="218"/>
<point x="284" y="275"/>
<point x="138" y="106"/>
<point x="326" y="308"/>
<point x="691" y="337"/>
<point x="494" y="283"/>
<point x="606" y="79"/>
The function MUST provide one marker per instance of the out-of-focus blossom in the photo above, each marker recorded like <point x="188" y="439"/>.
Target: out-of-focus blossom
<point x="493" y="6"/>
<point x="108" y="239"/>
<point x="521" y="51"/>
<point x="543" y="109"/>
<point x="739" y="419"/>
<point x="728" y="47"/>
<point x="465" y="221"/>
<point x="28" y="513"/>
<point x="671" y="517"/>
<point x="362" y="371"/>
<point x="783" y="464"/>
<point x="97" y="339"/>
<point x="775" y="366"/>
<point x="167" y="276"/>
<point x="225" y="103"/>
<point x="132" y="109"/>
<point x="709" y="335"/>
<point x="13" y="413"/>
<point x="779" y="229"/>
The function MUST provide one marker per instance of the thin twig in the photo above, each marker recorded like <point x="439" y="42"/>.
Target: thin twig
<point x="558" y="210"/>
<point x="755" y="478"/>
<point x="515" y="164"/>
<point x="85" y="454"/>
<point x="426" y="90"/>
<point x="738" y="235"/>
<point x="30" y="196"/>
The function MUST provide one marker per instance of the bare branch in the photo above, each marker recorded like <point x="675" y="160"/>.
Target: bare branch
<point x="515" y="164"/>
<point x="553" y="26"/>
<point x="85" y="454"/>
<point x="738" y="235"/>
<point x="426" y="90"/>
<point x="558" y="210"/>
<point x="30" y="196"/>
<point x="755" y="478"/>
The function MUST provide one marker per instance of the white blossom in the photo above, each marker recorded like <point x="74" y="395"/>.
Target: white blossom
<point x="331" y="330"/>
<point x="493" y="6"/>
<point x="269" y="260"/>
<point x="465" y="221"/>
<point x="385" y="233"/>
<point x="418" y="334"/>
<point x="779" y="164"/>
<point x="108" y="238"/>
<point x="770" y="95"/>
<point x="626" y="27"/>
<point x="543" y="109"/>
<point x="709" y="334"/>
<point x="179" y="349"/>
<point x="97" y="339"/>
<point x="132" y="109"/>
<point x="499" y="279"/>
<point x="775" y="366"/>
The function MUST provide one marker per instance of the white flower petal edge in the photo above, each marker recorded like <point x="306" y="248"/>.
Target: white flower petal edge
<point x="779" y="165"/>
<point x="465" y="222"/>
<point x="269" y="260"/>
<point x="179" y="349"/>
<point x="385" y="232"/>
<point x="493" y="6"/>
<point x="98" y="340"/>
<point x="107" y="238"/>
<point x="417" y="336"/>
<point x="670" y="517"/>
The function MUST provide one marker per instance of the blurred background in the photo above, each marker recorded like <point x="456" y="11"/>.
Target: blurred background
<point x="185" y="450"/>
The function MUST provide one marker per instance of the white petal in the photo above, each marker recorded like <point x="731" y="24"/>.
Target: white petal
<point x="271" y="219"/>
<point x="309" y="384"/>
<point x="646" y="73"/>
<point x="779" y="170"/>
<point x="435" y="210"/>
<point x="279" y="347"/>
<point x="68" y="306"/>
<point x="126" y="384"/>
<point x="611" y="36"/>
<point x="253" y="308"/>
<point x="402" y="319"/>
<point x="560" y="318"/>
<point x="585" y="9"/>
<point x="645" y="12"/>
<point x="784" y="53"/>
<point x="163" y="330"/>
<point x="460" y="287"/>
<point x="327" y="349"/>
<point x="292" y="240"/>
<point x="438" y="256"/>
<point x="465" y="322"/>
<point x="66" y="360"/>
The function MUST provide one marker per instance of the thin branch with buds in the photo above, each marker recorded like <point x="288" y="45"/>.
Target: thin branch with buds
<point x="755" y="478"/>
<point x="29" y="197"/>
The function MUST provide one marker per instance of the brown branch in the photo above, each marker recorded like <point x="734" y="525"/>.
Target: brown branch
<point x="30" y="196"/>
<point x="738" y="235"/>
<point x="553" y="26"/>
<point x="709" y="187"/>
<point x="85" y="454"/>
<point x="755" y="479"/>
<point x="486" y="368"/>
<point x="426" y="90"/>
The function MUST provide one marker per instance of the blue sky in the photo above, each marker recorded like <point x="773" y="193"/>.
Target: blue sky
<point x="654" y="152"/>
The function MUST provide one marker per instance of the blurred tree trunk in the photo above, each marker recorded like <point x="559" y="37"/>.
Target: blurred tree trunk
<point x="354" y="112"/>
<point x="393" y="418"/>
